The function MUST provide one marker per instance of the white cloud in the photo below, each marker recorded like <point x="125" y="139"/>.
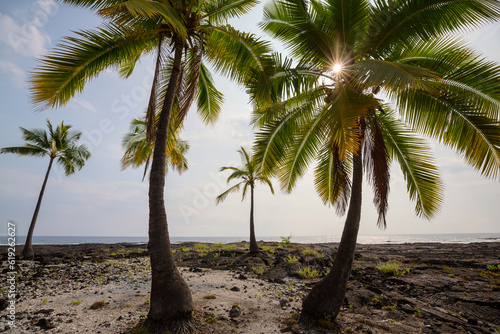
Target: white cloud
<point x="26" y="40"/>
<point x="85" y="104"/>
<point x="17" y="74"/>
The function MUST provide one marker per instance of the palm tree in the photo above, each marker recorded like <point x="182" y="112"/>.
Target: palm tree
<point x="138" y="150"/>
<point x="249" y="175"/>
<point x="183" y="36"/>
<point x="61" y="145"/>
<point x="370" y="78"/>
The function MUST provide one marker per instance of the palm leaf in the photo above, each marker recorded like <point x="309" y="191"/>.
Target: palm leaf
<point x="78" y="60"/>
<point x="423" y="183"/>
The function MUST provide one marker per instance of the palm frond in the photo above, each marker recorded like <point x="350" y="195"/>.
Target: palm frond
<point x="423" y="183"/>
<point x="376" y="165"/>
<point x="222" y="197"/>
<point x="459" y="125"/>
<point x="79" y="59"/>
<point x="331" y="178"/>
<point x="235" y="54"/>
<point x="398" y="22"/>
<point x="209" y="99"/>
<point x="219" y="11"/>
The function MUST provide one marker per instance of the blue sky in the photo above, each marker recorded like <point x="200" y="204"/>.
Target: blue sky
<point x="102" y="200"/>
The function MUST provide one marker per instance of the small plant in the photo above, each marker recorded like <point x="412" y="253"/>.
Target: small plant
<point x="217" y="254"/>
<point x="291" y="259"/>
<point x="209" y="297"/>
<point x="392" y="268"/>
<point x="210" y="319"/>
<point x="390" y="307"/>
<point x="201" y="246"/>
<point x="307" y="272"/>
<point x="218" y="245"/>
<point x="418" y="313"/>
<point x="492" y="267"/>
<point x="45" y="301"/>
<point x="309" y="252"/>
<point x="258" y="270"/>
<point x="268" y="249"/>
<point x="77" y="302"/>
<point x="142" y="315"/>
<point x="184" y="249"/>
<point x="285" y="241"/>
<point x="140" y="330"/>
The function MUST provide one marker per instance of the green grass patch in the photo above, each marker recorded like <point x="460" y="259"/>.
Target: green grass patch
<point x="307" y="272"/>
<point x="392" y="268"/>
<point x="209" y="297"/>
<point x="310" y="252"/>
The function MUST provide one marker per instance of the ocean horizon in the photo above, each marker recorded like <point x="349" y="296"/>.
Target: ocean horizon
<point x="362" y="239"/>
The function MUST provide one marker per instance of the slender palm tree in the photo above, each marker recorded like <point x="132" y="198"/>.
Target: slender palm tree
<point x="60" y="145"/>
<point x="139" y="150"/>
<point x="249" y="176"/>
<point x="368" y="79"/>
<point x="182" y="36"/>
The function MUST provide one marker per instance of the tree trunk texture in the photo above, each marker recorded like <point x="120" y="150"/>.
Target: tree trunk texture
<point x="171" y="301"/>
<point x="327" y="296"/>
<point x="254" y="248"/>
<point x="28" y="253"/>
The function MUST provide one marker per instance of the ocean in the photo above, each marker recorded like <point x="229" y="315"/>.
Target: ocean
<point x="362" y="239"/>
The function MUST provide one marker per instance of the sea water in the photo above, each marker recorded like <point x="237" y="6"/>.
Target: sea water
<point x="362" y="239"/>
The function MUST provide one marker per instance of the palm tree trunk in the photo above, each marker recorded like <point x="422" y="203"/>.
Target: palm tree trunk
<point x="327" y="296"/>
<point x="28" y="253"/>
<point x="254" y="248"/>
<point x="171" y="300"/>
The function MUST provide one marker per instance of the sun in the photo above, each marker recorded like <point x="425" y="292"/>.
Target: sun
<point x="337" y="68"/>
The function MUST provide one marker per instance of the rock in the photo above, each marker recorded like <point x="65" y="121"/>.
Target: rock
<point x="234" y="312"/>
<point x="472" y="321"/>
<point x="195" y="270"/>
<point x="235" y="288"/>
<point x="283" y="303"/>
<point x="45" y="311"/>
<point x="3" y="304"/>
<point x="45" y="324"/>
<point x="241" y="276"/>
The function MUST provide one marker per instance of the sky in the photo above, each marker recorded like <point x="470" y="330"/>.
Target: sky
<point x="102" y="200"/>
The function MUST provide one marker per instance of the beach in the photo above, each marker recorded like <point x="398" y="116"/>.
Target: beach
<point x="104" y="288"/>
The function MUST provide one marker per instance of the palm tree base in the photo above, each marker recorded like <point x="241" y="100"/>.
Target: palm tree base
<point x="28" y="253"/>
<point x="181" y="324"/>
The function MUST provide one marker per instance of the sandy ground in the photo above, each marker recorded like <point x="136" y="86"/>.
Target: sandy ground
<point x="106" y="290"/>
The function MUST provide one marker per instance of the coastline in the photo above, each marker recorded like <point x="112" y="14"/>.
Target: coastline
<point x="104" y="288"/>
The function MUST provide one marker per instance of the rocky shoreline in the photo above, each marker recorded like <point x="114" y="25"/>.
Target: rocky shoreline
<point x="407" y="288"/>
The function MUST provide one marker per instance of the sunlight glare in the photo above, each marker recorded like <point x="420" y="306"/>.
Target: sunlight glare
<point x="337" y="68"/>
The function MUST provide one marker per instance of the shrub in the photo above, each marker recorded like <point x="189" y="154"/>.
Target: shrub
<point x="392" y="268"/>
<point x="307" y="272"/>
<point x="209" y="297"/>
<point x="309" y="252"/>
<point x="285" y="241"/>
<point x="291" y="259"/>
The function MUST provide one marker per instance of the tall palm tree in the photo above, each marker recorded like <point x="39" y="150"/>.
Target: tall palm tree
<point x="369" y="78"/>
<point x="60" y="145"/>
<point x="139" y="150"/>
<point x="249" y="176"/>
<point x="183" y="36"/>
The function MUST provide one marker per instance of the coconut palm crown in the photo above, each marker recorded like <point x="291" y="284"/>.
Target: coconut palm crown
<point x="182" y="36"/>
<point x="367" y="81"/>
<point x="249" y="176"/>
<point x="139" y="150"/>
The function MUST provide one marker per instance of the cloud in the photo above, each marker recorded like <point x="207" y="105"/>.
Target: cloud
<point x="85" y="104"/>
<point x="17" y="74"/>
<point x="27" y="39"/>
